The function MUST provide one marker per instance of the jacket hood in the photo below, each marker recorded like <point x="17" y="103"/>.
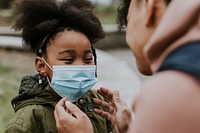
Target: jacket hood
<point x="31" y="92"/>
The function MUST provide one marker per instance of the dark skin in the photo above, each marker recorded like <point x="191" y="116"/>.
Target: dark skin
<point x="65" y="48"/>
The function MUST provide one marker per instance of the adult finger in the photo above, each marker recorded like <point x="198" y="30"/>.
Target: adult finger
<point x="62" y="102"/>
<point x="117" y="100"/>
<point x="104" y="104"/>
<point x="57" y="119"/>
<point x="72" y="108"/>
<point x="60" y="108"/>
<point x="103" y="114"/>
<point x="123" y="114"/>
<point x="120" y="104"/>
<point x="116" y="97"/>
<point x="60" y="113"/>
<point x="105" y="92"/>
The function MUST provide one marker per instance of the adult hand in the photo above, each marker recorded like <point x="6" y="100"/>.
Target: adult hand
<point x="70" y="119"/>
<point x="118" y="112"/>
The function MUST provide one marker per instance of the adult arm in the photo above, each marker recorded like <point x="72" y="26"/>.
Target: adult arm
<point x="168" y="103"/>
<point x="70" y="119"/>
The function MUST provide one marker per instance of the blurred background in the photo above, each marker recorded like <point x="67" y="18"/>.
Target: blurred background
<point x="116" y="66"/>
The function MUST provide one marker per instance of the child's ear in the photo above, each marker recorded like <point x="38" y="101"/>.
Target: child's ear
<point x="150" y="12"/>
<point x="40" y="66"/>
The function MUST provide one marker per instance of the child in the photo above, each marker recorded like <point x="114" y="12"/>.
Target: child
<point x="62" y="37"/>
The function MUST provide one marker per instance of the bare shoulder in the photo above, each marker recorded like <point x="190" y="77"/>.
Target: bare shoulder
<point x="168" y="102"/>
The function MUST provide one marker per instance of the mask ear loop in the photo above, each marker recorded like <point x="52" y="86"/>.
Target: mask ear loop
<point x="48" y="81"/>
<point x="47" y="63"/>
<point x="49" y="68"/>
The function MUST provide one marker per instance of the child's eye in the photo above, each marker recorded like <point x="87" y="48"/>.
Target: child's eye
<point x="68" y="60"/>
<point x="88" y="59"/>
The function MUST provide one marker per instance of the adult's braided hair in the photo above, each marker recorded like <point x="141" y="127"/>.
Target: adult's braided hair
<point x="40" y="18"/>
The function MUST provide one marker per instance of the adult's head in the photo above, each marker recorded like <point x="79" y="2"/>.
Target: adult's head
<point x="60" y="33"/>
<point x="141" y="18"/>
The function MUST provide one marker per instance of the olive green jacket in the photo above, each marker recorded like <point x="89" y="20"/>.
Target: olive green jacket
<point x="34" y="109"/>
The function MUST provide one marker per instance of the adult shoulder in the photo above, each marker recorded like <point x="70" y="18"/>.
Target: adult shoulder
<point x="168" y="102"/>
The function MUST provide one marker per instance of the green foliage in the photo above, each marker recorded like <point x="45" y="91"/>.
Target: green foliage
<point x="8" y="89"/>
<point x="6" y="110"/>
<point x="3" y="69"/>
<point x="107" y="14"/>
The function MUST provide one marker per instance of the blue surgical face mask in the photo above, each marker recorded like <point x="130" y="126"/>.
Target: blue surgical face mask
<point x="72" y="82"/>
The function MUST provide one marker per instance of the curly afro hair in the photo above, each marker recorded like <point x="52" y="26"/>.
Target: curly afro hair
<point x="39" y="18"/>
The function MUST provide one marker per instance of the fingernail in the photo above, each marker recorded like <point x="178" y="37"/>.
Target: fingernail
<point x="117" y="95"/>
<point x="67" y="103"/>
<point x="117" y="92"/>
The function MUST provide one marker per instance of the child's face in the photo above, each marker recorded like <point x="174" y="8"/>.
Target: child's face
<point x="69" y="48"/>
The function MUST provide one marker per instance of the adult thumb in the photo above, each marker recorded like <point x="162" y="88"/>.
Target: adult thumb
<point x="119" y="103"/>
<point x="116" y="97"/>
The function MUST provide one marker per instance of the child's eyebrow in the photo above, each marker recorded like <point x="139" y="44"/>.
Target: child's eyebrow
<point x="88" y="51"/>
<point x="67" y="51"/>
